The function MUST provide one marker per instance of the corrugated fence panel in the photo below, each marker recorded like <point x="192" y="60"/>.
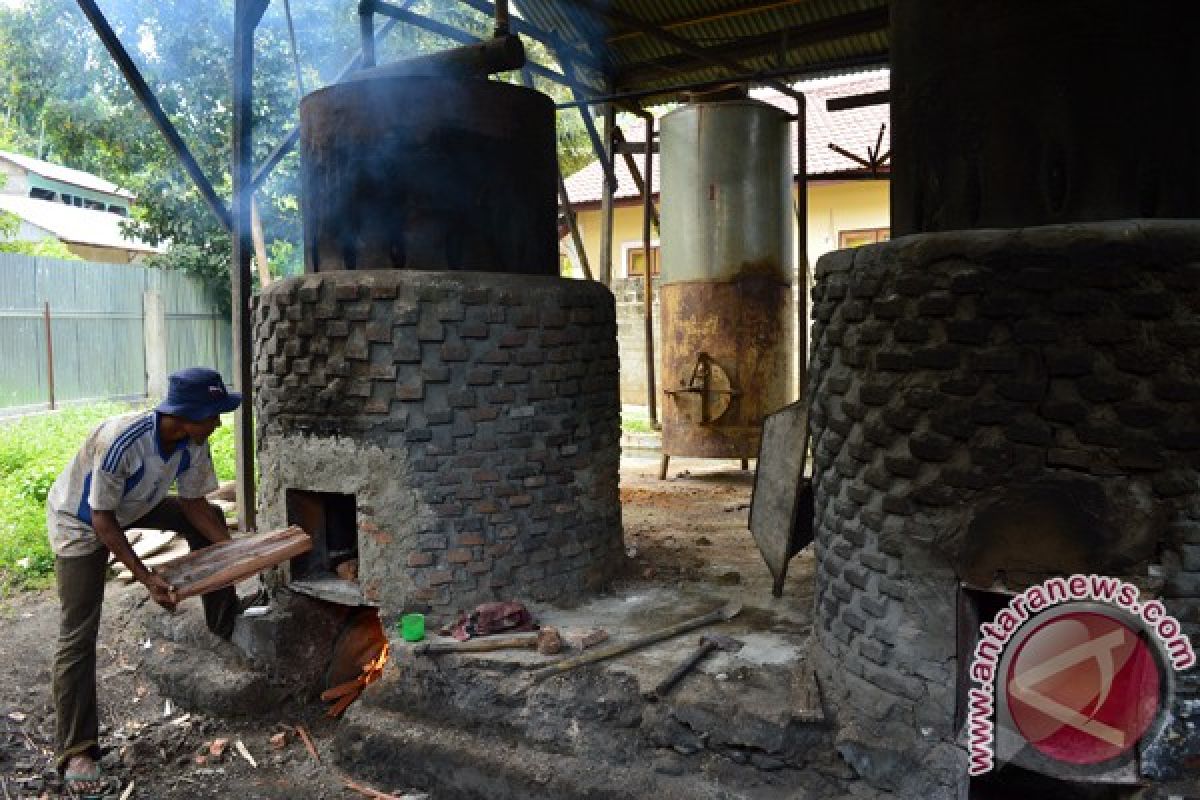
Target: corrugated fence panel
<point x="23" y="353"/>
<point x="196" y="334"/>
<point x="96" y="313"/>
<point x="97" y="326"/>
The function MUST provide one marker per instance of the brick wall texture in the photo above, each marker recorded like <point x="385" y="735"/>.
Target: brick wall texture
<point x="948" y="368"/>
<point x="475" y="416"/>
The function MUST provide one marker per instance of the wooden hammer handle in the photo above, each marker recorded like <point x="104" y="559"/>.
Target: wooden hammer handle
<point x="687" y="666"/>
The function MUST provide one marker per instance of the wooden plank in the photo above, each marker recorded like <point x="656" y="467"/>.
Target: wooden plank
<point x="227" y="563"/>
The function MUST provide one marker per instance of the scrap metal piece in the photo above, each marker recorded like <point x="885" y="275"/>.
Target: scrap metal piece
<point x="781" y="507"/>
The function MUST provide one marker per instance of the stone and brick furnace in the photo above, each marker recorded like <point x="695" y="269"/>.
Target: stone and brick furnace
<point x="446" y="428"/>
<point x="1009" y="391"/>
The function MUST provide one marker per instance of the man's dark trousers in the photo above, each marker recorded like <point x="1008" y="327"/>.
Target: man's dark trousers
<point x="81" y="592"/>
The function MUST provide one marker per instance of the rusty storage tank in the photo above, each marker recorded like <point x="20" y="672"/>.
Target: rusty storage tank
<point x="726" y="275"/>
<point x="429" y="172"/>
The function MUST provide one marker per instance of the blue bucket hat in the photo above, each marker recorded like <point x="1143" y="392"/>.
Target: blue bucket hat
<point x="198" y="393"/>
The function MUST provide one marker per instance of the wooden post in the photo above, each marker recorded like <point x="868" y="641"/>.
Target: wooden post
<point x="260" y="244"/>
<point x="49" y="353"/>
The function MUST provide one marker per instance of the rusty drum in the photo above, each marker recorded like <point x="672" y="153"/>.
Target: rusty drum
<point x="726" y="276"/>
<point x="429" y="173"/>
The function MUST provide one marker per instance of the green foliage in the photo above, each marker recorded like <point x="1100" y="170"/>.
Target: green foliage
<point x="34" y="450"/>
<point x="635" y="424"/>
<point x="46" y="248"/>
<point x="224" y="451"/>
<point x="61" y="98"/>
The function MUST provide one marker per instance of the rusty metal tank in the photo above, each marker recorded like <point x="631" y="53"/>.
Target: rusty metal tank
<point x="726" y="295"/>
<point x="429" y="173"/>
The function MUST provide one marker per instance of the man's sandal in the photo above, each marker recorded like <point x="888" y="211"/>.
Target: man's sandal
<point x="89" y="784"/>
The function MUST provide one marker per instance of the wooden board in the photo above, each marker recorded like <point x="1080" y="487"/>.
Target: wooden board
<point x="225" y="564"/>
<point x="781" y="491"/>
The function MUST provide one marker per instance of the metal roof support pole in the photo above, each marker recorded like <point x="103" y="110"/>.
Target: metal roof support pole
<point x="289" y="141"/>
<point x="366" y="30"/>
<point x="606" y="198"/>
<point x="603" y="148"/>
<point x="631" y="165"/>
<point x="648" y="272"/>
<point x="152" y="107"/>
<point x="573" y="226"/>
<point x="247" y="14"/>
<point x="801" y="245"/>
<point x="565" y="201"/>
<point x="601" y="8"/>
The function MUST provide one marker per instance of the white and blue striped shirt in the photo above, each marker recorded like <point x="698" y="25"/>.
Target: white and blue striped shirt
<point x="122" y="468"/>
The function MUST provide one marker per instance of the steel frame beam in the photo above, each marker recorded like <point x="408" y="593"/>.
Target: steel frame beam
<point x="150" y="104"/>
<point x="755" y="76"/>
<point x="601" y="8"/>
<point x="247" y="15"/>
<point x="456" y="35"/>
<point x="293" y="136"/>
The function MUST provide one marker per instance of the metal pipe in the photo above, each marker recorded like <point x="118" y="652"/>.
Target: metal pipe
<point x="519" y="26"/>
<point x="821" y="69"/>
<point x="247" y="15"/>
<point x="293" y="136"/>
<point x="501" y="18"/>
<point x="801" y="244"/>
<point x="151" y="105"/>
<point x="476" y="60"/>
<point x="648" y="280"/>
<point x="606" y="203"/>
<point x="49" y="354"/>
<point x="366" y="31"/>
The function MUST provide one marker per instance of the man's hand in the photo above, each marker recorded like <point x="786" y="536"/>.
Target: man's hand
<point x="161" y="592"/>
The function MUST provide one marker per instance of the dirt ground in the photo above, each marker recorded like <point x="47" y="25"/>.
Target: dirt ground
<point x="691" y="527"/>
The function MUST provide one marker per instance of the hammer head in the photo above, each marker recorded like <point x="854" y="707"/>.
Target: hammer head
<point x="727" y="643"/>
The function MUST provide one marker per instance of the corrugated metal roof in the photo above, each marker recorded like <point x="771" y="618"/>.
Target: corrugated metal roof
<point x="56" y="172"/>
<point x="75" y="225"/>
<point x="705" y="40"/>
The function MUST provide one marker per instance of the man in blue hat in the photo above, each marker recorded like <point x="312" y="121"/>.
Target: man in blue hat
<point x="118" y="480"/>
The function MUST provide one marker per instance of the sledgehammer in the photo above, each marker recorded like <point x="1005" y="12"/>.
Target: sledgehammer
<point x="600" y="653"/>
<point x="708" y="643"/>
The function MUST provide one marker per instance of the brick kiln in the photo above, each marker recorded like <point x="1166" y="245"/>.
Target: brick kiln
<point x="994" y="407"/>
<point x="436" y="406"/>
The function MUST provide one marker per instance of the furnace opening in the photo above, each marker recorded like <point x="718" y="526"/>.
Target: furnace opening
<point x="330" y="569"/>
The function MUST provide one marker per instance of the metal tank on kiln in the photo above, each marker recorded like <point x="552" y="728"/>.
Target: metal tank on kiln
<point x="726" y="279"/>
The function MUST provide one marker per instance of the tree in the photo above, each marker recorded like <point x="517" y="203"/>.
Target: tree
<point x="56" y="75"/>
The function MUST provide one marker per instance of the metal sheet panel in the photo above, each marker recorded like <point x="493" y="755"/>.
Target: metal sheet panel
<point x="726" y="193"/>
<point x="97" y="329"/>
<point x="781" y="507"/>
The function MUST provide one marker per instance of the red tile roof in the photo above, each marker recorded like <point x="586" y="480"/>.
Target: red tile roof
<point x="853" y="130"/>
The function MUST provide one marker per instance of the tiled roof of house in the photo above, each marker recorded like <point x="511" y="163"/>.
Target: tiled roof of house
<point x="75" y="177"/>
<point x="853" y="130"/>
<point x="73" y="224"/>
